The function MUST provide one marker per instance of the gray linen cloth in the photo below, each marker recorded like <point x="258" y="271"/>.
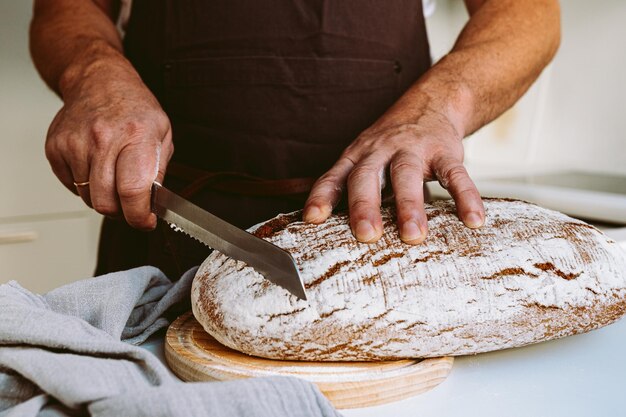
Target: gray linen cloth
<point x="70" y="352"/>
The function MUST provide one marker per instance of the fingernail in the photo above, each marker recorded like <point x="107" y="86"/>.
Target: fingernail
<point x="364" y="231"/>
<point x="411" y="232"/>
<point x="313" y="214"/>
<point x="473" y="220"/>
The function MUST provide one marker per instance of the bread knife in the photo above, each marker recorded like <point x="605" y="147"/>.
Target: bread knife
<point x="274" y="263"/>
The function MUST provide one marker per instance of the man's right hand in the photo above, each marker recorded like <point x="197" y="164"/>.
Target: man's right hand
<point x="112" y="133"/>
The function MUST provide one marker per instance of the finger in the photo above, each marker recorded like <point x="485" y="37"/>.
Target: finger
<point x="102" y="182"/>
<point x="164" y="156"/>
<point x="407" y="179"/>
<point x="364" y="186"/>
<point x="326" y="192"/>
<point x="78" y="161"/>
<point x="62" y="172"/>
<point x="453" y="176"/>
<point x="54" y="155"/>
<point x="135" y="171"/>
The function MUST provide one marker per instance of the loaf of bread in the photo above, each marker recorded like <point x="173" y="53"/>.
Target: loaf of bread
<point x="528" y="275"/>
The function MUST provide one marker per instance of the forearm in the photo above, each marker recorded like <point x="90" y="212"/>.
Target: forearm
<point x="111" y="133"/>
<point x="69" y="39"/>
<point x="500" y="52"/>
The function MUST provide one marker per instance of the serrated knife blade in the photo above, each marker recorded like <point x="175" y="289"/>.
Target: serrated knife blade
<point x="274" y="263"/>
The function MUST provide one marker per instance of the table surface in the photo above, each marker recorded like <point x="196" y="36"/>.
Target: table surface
<point x="582" y="375"/>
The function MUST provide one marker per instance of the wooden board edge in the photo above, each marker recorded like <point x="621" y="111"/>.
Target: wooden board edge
<point x="343" y="396"/>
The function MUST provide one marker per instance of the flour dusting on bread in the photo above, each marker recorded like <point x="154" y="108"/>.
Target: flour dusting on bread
<point x="529" y="274"/>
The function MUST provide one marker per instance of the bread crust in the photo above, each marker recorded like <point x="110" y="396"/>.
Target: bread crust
<point x="528" y="275"/>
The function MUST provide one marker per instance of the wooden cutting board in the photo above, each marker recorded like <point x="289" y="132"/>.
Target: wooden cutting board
<point x="194" y="355"/>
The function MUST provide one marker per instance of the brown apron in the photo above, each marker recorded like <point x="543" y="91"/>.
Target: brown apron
<point x="263" y="97"/>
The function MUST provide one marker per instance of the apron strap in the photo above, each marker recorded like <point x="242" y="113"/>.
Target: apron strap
<point x="237" y="183"/>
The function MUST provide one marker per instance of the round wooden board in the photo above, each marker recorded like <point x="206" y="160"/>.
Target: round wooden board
<point x="194" y="355"/>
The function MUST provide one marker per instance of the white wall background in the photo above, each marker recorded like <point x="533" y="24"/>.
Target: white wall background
<point x="575" y="116"/>
<point x="585" y="111"/>
<point x="47" y="237"/>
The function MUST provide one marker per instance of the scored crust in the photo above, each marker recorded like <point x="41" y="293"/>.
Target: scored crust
<point x="528" y="275"/>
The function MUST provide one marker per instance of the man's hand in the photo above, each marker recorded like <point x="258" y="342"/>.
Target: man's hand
<point x="111" y="130"/>
<point x="411" y="153"/>
<point x="113" y="133"/>
<point x="497" y="56"/>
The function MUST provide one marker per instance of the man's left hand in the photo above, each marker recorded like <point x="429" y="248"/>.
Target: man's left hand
<point x="411" y="153"/>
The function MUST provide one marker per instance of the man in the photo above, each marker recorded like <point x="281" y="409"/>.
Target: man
<point x="260" y="97"/>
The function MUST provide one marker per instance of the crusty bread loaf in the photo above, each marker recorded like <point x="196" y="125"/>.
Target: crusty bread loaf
<point x="528" y="275"/>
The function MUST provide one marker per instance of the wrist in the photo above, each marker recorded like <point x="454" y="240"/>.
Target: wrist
<point x="97" y="59"/>
<point x="452" y="95"/>
<point x="439" y="101"/>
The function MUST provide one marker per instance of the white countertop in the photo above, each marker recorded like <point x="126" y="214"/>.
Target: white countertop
<point x="583" y="375"/>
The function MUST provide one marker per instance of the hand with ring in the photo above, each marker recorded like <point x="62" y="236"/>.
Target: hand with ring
<point x="110" y="141"/>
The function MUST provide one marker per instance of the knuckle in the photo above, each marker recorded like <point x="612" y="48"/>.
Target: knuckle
<point x="101" y="133"/>
<point x="410" y="210"/>
<point x="131" y="192"/>
<point x="405" y="165"/>
<point x="137" y="220"/>
<point x="452" y="174"/>
<point x="72" y="145"/>
<point x="354" y="152"/>
<point x="411" y="216"/>
<point x="406" y="202"/>
<point x="327" y="181"/>
<point x="149" y="130"/>
<point x="51" y="151"/>
<point x="321" y="201"/>
<point x="162" y="121"/>
<point x="101" y="143"/>
<point x="317" y="198"/>
<point x="456" y="172"/>
<point x="134" y="221"/>
<point x="362" y="204"/>
<point x="361" y="173"/>
<point x="105" y="208"/>
<point x="467" y="192"/>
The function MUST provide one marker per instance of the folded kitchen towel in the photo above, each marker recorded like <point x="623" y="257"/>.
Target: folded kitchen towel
<point x="70" y="352"/>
